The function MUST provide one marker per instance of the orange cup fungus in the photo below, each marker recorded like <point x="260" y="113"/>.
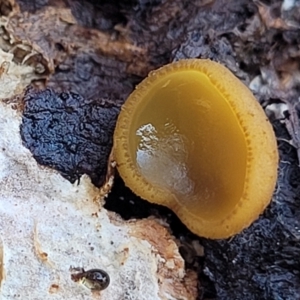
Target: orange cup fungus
<point x="192" y="137"/>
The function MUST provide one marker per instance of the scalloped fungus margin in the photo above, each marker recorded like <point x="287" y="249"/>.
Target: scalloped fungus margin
<point x="192" y="137"/>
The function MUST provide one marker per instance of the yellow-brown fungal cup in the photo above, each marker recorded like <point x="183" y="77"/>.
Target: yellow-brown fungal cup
<point x="192" y="137"/>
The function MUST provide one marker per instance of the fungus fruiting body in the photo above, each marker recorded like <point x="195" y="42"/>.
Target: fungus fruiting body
<point x="192" y="137"/>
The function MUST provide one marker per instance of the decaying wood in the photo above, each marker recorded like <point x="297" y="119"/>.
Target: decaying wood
<point x="48" y="224"/>
<point x="101" y="49"/>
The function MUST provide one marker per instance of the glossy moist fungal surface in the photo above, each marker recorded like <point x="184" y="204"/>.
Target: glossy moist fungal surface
<point x="192" y="137"/>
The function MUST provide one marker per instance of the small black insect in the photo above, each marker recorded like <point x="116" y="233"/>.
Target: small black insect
<point x="94" y="279"/>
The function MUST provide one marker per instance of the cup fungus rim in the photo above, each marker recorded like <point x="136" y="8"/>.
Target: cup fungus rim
<point x="262" y="154"/>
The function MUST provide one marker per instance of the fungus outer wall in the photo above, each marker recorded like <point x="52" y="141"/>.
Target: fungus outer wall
<point x="192" y="137"/>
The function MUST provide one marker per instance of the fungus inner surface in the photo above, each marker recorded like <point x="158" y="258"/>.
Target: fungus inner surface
<point x="187" y="140"/>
